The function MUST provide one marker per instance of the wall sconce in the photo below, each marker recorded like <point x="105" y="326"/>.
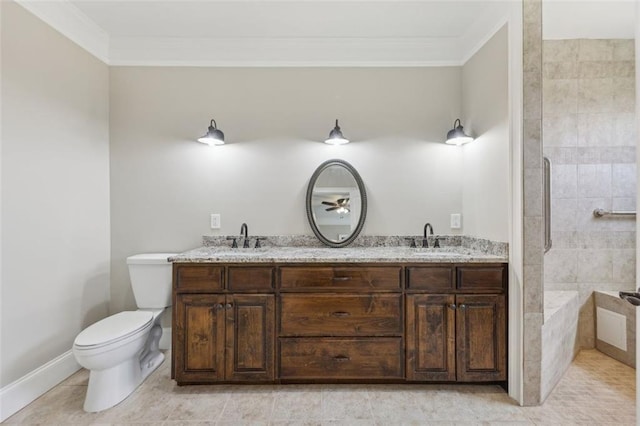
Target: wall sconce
<point x="336" y="137"/>
<point x="213" y="135"/>
<point x="457" y="136"/>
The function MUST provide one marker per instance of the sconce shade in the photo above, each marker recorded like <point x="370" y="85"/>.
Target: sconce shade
<point x="457" y="136"/>
<point x="213" y="135"/>
<point x="336" y="137"/>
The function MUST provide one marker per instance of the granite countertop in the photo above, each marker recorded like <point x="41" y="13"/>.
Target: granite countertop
<point x="329" y="255"/>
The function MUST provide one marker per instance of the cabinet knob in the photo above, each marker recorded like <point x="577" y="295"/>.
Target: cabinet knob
<point x="463" y="306"/>
<point x="452" y="306"/>
<point x="217" y="306"/>
<point x="229" y="305"/>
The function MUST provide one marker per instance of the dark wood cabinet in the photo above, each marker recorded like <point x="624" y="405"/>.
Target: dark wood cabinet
<point x="456" y="338"/>
<point x="223" y="329"/>
<point x="198" y="338"/>
<point x="431" y="337"/>
<point x="259" y="323"/>
<point x="481" y="338"/>
<point x="224" y="338"/>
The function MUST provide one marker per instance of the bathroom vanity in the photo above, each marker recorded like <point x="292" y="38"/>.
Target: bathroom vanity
<point x="286" y="315"/>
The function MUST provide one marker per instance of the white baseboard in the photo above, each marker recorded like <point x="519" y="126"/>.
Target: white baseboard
<point x="28" y="388"/>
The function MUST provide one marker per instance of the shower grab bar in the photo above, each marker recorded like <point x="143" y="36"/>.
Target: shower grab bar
<point x="603" y="212"/>
<point x="547" y="204"/>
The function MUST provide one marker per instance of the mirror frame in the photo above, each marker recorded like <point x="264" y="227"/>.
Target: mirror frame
<point x="363" y="197"/>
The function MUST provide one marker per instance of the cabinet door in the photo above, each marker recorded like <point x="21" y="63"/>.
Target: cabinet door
<point x="250" y="322"/>
<point x="481" y="338"/>
<point x="199" y="338"/>
<point x="430" y="337"/>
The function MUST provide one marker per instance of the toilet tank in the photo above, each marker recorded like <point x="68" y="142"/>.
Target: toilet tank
<point x="150" y="275"/>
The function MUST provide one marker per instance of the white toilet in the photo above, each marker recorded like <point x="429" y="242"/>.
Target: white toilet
<point x="122" y="350"/>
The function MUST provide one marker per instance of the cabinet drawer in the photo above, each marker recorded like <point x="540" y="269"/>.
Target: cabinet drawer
<point x="336" y="278"/>
<point x="435" y="278"/>
<point x="198" y="278"/>
<point x="482" y="279"/>
<point x="249" y="278"/>
<point x="341" y="315"/>
<point x="341" y="358"/>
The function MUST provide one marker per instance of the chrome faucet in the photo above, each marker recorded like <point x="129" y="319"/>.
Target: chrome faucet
<point x="425" y="241"/>
<point x="244" y="232"/>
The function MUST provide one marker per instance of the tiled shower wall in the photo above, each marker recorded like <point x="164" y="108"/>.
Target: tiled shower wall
<point x="589" y="136"/>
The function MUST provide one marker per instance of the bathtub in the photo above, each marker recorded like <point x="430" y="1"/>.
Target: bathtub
<point x="559" y="337"/>
<point x="615" y="327"/>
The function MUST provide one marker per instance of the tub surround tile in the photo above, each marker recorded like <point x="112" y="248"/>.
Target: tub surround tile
<point x="564" y="239"/>
<point x="565" y="181"/>
<point x="595" y="129"/>
<point x="623" y="94"/>
<point x="623" y="180"/>
<point x="562" y="155"/>
<point x="559" y="337"/>
<point x="561" y="130"/>
<point x="595" y="95"/>
<point x="560" y="97"/>
<point x="560" y="51"/>
<point x="595" y="266"/>
<point x="595" y="50"/>
<point x="594" y="180"/>
<point x="533" y="298"/>
<point x="624" y="50"/>
<point x="624" y="266"/>
<point x="560" y="70"/>
<point x="532" y="191"/>
<point x="561" y="265"/>
<point x="625" y="130"/>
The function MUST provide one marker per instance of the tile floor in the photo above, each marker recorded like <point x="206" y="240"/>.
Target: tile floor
<point x="596" y="390"/>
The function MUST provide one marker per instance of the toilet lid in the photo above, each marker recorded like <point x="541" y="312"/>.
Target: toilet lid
<point x="114" y="328"/>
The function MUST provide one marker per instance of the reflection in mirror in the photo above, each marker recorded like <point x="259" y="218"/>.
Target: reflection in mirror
<point x="336" y="203"/>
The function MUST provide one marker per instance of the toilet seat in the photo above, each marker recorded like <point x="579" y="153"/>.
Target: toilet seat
<point x="113" y="329"/>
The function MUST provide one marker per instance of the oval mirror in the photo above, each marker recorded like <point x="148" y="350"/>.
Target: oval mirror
<point x="336" y="203"/>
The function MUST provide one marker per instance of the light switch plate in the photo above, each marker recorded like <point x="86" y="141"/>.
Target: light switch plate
<point x="456" y="221"/>
<point x="215" y="221"/>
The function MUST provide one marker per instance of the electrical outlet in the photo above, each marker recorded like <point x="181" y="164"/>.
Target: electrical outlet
<point x="215" y="221"/>
<point x="456" y="221"/>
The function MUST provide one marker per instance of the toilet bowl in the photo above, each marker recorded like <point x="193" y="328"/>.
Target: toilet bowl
<point x="120" y="351"/>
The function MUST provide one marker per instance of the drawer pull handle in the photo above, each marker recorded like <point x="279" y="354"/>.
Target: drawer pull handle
<point x="341" y="358"/>
<point x="340" y="314"/>
<point x="341" y="278"/>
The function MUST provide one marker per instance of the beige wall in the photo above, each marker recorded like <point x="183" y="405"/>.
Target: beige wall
<point x="485" y="195"/>
<point x="55" y="192"/>
<point x="164" y="185"/>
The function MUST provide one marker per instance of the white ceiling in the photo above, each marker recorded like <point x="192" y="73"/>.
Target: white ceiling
<point x="297" y="32"/>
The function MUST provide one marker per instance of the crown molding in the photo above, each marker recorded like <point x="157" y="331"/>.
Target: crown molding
<point x="67" y="19"/>
<point x="483" y="28"/>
